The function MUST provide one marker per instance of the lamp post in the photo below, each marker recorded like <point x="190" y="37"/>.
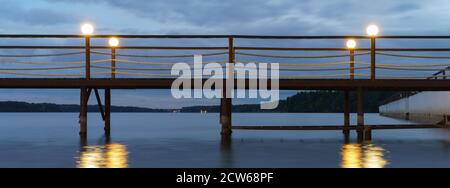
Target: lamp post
<point x="363" y="133"/>
<point x="372" y="31"/>
<point x="351" y="44"/>
<point x="113" y="43"/>
<point x="87" y="30"/>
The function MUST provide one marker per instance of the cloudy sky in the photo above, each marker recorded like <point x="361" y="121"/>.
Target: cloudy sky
<point x="304" y="17"/>
<point x="271" y="17"/>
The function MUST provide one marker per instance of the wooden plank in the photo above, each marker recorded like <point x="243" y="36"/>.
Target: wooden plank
<point x="336" y="127"/>
<point x="330" y="127"/>
<point x="419" y="126"/>
<point x="285" y="84"/>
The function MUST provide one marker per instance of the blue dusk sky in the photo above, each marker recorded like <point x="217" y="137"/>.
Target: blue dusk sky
<point x="252" y="17"/>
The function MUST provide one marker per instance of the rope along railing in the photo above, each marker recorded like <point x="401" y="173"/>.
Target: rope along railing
<point x="243" y="74"/>
<point x="125" y="63"/>
<point x="42" y="63"/>
<point x="235" y="66"/>
<point x="412" y="66"/>
<point x="150" y="62"/>
<point x="7" y="70"/>
<point x="306" y="64"/>
<point x="161" y="56"/>
<point x="43" y="68"/>
<point x="299" y="57"/>
<point x="41" y="75"/>
<point x="42" y="55"/>
<point x="413" y="56"/>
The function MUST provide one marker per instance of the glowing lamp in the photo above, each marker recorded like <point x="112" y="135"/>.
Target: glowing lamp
<point x="351" y="44"/>
<point x="372" y="30"/>
<point x="87" y="29"/>
<point x="113" y="42"/>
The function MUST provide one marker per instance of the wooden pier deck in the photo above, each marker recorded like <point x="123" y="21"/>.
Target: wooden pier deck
<point x="284" y="84"/>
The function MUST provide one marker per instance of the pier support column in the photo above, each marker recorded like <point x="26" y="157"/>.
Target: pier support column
<point x="225" y="101"/>
<point x="368" y="133"/>
<point x="83" y="111"/>
<point x="225" y="116"/>
<point x="107" y="112"/>
<point x="346" y="129"/>
<point x="360" y="112"/>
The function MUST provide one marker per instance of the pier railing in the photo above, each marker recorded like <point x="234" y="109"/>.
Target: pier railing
<point x="304" y="58"/>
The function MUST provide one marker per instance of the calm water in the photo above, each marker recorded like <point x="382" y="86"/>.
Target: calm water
<point x="193" y="140"/>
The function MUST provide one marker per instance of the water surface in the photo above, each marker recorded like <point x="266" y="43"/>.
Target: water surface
<point x="193" y="140"/>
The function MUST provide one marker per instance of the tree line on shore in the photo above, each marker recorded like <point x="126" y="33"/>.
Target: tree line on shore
<point x="305" y="102"/>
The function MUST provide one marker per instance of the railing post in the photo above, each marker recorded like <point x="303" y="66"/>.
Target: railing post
<point x="372" y="58"/>
<point x="225" y="102"/>
<point x="88" y="57"/>
<point x="113" y="63"/>
<point x="352" y="64"/>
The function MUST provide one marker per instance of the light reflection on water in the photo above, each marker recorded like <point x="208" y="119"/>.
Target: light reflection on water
<point x="364" y="155"/>
<point x="113" y="155"/>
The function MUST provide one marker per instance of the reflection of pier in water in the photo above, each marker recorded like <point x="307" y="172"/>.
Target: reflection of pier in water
<point x="365" y="155"/>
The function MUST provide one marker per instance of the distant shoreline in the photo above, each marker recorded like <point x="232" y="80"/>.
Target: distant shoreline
<point x="302" y="102"/>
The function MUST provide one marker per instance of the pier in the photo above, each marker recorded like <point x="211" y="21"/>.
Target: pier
<point x="358" y="69"/>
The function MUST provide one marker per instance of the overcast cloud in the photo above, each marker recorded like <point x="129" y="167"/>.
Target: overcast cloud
<point x="272" y="17"/>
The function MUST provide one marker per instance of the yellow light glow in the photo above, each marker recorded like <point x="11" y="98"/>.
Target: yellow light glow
<point x="362" y="156"/>
<point x="372" y="30"/>
<point x="351" y="44"/>
<point x="103" y="156"/>
<point x="87" y="29"/>
<point x="352" y="156"/>
<point x="374" y="157"/>
<point x="113" y="42"/>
